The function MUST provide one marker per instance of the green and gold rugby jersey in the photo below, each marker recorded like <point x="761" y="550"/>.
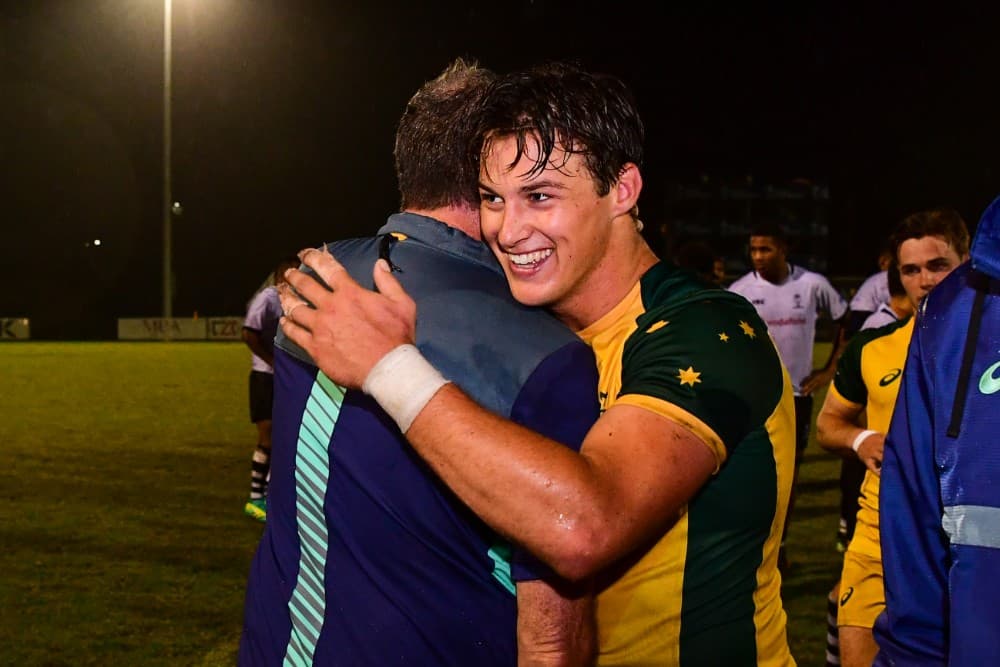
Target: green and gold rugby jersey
<point x="708" y="592"/>
<point x="868" y="376"/>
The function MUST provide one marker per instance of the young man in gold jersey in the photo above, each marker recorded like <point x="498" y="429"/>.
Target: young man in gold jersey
<point x="927" y="246"/>
<point x="676" y="499"/>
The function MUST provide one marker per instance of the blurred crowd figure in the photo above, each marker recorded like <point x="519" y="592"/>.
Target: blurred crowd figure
<point x="871" y="294"/>
<point x="259" y="329"/>
<point x="789" y="299"/>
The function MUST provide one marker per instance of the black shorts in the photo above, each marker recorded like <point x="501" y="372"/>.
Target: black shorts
<point x="803" y="419"/>
<point x="261" y="396"/>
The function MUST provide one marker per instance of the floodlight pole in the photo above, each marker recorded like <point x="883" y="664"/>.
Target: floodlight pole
<point x="168" y="297"/>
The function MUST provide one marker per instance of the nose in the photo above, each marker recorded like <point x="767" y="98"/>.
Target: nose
<point x="928" y="279"/>
<point x="513" y="228"/>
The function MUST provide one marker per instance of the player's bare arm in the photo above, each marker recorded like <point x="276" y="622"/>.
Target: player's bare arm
<point x="837" y="431"/>
<point x="577" y="512"/>
<point x="256" y="344"/>
<point x="555" y="625"/>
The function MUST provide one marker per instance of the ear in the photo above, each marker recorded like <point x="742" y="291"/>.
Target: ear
<point x="625" y="191"/>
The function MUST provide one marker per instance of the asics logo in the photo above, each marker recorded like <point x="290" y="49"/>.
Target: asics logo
<point x="846" y="596"/>
<point x="890" y="377"/>
<point x="989" y="383"/>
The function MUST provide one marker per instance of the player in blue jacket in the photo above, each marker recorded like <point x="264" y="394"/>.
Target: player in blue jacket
<point x="940" y="496"/>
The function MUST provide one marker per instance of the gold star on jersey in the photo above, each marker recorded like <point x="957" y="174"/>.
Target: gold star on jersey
<point x="658" y="350"/>
<point x="688" y="376"/>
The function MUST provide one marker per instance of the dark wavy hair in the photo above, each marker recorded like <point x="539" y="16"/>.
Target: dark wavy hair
<point x="433" y="135"/>
<point x="558" y="104"/>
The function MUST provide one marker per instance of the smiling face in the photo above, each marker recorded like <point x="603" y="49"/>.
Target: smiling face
<point x="553" y="234"/>
<point x="923" y="263"/>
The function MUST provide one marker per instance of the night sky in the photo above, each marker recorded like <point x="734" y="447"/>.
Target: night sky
<point x="284" y="113"/>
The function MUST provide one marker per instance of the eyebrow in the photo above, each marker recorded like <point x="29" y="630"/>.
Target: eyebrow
<point x="932" y="260"/>
<point x="531" y="187"/>
<point x="538" y="185"/>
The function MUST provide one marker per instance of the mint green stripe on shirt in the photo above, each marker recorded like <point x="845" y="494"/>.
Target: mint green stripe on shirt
<point x="307" y="606"/>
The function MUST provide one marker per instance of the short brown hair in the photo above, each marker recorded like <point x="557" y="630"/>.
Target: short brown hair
<point x="945" y="223"/>
<point x="432" y="138"/>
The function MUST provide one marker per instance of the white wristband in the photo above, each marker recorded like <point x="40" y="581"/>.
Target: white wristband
<point x="861" y="438"/>
<point x="403" y="382"/>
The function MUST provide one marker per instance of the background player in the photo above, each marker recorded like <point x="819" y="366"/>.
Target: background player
<point x="940" y="505"/>
<point x="789" y="298"/>
<point x="873" y="293"/>
<point x="928" y="245"/>
<point x="259" y="329"/>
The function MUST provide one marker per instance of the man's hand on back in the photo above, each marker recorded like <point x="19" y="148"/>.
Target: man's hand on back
<point x="348" y="328"/>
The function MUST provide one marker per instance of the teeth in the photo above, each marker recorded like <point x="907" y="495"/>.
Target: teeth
<point x="524" y="259"/>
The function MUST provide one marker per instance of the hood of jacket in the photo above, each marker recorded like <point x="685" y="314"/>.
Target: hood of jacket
<point x="986" y="244"/>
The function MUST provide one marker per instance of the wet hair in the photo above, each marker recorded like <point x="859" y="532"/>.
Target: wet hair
<point x="432" y="139"/>
<point x="560" y="105"/>
<point x="945" y="223"/>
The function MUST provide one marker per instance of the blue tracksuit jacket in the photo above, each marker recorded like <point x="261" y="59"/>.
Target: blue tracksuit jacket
<point x="940" y="495"/>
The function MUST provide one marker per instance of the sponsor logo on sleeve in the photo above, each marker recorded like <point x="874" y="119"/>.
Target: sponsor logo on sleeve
<point x="890" y="377"/>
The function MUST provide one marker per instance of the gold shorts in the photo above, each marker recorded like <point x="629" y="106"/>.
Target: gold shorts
<point x="862" y="591"/>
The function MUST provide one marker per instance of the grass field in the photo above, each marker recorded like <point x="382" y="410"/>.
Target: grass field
<point x="122" y="538"/>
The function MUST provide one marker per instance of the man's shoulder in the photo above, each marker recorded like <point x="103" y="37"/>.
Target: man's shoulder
<point x="879" y="318"/>
<point x="802" y="274"/>
<point x="263" y="299"/>
<point x="445" y="283"/>
<point x="348" y="250"/>
<point x="874" y="280"/>
<point x="700" y="314"/>
<point x="867" y="336"/>
<point x="744" y="282"/>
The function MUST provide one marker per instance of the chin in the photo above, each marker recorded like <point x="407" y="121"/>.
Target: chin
<point x="528" y="295"/>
